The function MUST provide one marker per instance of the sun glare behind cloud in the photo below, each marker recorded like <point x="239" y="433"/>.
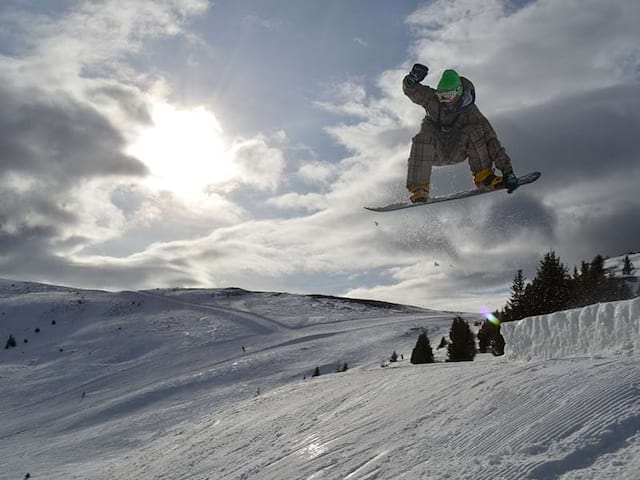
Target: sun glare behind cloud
<point x="184" y="150"/>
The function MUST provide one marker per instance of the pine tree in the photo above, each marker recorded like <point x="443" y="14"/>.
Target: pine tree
<point x="342" y="368"/>
<point x="581" y="286"/>
<point x="316" y="372"/>
<point x="628" y="268"/>
<point x="497" y="343"/>
<point x="516" y="303"/>
<point x="485" y="335"/>
<point x="553" y="289"/>
<point x="394" y="357"/>
<point x="443" y="343"/>
<point x="462" y="347"/>
<point x="598" y="281"/>
<point x="624" y="291"/>
<point x="422" y="352"/>
<point x="550" y="290"/>
<point x="11" y="342"/>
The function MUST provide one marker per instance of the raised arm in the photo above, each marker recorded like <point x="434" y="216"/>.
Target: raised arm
<point x="417" y="93"/>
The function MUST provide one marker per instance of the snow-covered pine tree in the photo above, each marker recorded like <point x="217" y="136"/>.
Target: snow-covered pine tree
<point x="462" y="347"/>
<point x="422" y="352"/>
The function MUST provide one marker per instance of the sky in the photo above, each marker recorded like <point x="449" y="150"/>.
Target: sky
<point x="234" y="143"/>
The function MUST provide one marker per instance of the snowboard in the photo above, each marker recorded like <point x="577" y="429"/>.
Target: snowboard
<point x="524" y="180"/>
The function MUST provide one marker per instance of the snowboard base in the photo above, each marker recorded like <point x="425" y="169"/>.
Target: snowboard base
<point x="523" y="180"/>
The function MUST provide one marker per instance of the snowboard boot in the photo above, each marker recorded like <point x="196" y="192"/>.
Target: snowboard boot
<point x="419" y="194"/>
<point x="488" y="179"/>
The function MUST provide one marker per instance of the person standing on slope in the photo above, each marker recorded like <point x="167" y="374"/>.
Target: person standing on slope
<point x="452" y="131"/>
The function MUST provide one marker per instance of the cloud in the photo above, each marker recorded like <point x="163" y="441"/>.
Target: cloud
<point x="316" y="172"/>
<point x="260" y="165"/>
<point x="579" y="136"/>
<point x="347" y="98"/>
<point x="59" y="139"/>
<point x="532" y="55"/>
<point x="522" y="215"/>
<point x="615" y="230"/>
<point x="310" y="202"/>
<point x="70" y="103"/>
<point x="253" y="22"/>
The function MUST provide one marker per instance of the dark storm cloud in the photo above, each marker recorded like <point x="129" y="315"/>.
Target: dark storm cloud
<point x="42" y="266"/>
<point x="18" y="205"/>
<point x="517" y="214"/>
<point x="127" y="99"/>
<point x="59" y="139"/>
<point x="612" y="234"/>
<point x="53" y="143"/>
<point x="25" y="239"/>
<point x="583" y="136"/>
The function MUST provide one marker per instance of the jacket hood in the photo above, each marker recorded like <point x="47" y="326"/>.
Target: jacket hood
<point x="468" y="93"/>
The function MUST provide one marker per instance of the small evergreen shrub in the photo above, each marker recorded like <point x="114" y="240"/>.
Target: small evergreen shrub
<point x="11" y="342"/>
<point x="422" y="352"/>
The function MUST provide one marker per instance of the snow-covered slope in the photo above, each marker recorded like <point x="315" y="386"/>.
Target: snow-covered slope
<point x="173" y="396"/>
<point x="103" y="373"/>
<point x="615" y="265"/>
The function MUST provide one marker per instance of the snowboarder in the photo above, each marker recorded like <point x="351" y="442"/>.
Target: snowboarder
<point x="453" y="130"/>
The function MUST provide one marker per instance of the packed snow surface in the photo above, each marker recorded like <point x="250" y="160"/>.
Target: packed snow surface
<point x="216" y="384"/>
<point x="603" y="328"/>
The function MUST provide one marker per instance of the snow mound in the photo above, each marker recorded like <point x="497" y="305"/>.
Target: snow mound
<point x="595" y="330"/>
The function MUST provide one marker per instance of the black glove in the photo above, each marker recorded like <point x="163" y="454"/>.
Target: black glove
<point x="510" y="182"/>
<point x="417" y="73"/>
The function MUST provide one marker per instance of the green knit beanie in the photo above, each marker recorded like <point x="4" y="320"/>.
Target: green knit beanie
<point x="450" y="81"/>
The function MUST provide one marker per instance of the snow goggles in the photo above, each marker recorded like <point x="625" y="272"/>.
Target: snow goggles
<point x="447" y="96"/>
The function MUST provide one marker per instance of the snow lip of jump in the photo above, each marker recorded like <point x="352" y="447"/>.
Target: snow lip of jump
<point x="601" y="329"/>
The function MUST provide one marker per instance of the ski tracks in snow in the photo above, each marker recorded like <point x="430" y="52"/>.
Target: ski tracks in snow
<point x="563" y="425"/>
<point x="564" y="419"/>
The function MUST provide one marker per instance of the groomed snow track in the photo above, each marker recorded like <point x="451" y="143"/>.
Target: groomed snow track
<point x="572" y="416"/>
